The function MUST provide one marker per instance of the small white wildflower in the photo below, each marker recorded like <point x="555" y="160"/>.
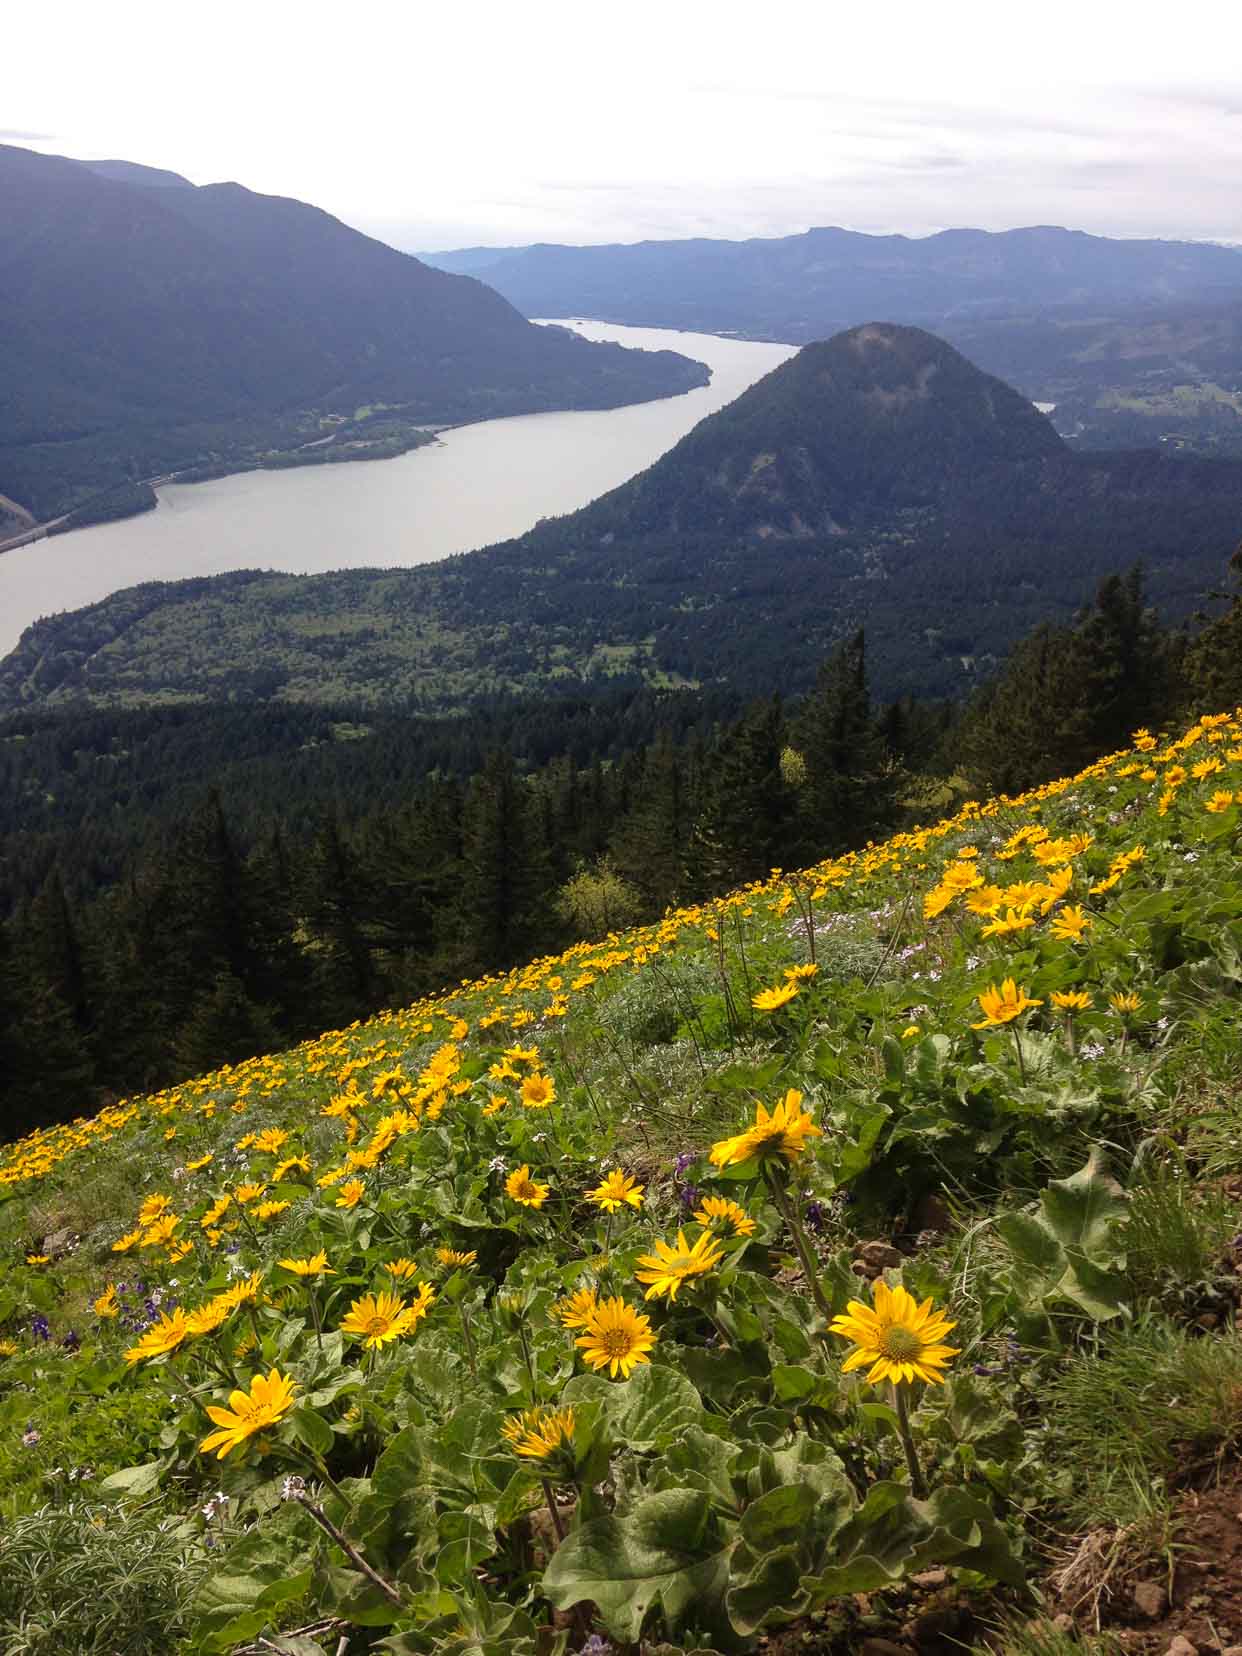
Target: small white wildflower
<point x="293" y="1488"/>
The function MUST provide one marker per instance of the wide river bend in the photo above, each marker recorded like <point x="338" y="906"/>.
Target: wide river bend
<point x="476" y="485"/>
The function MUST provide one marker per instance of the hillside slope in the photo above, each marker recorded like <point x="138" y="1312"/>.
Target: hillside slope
<point x="530" y="1296"/>
<point x="875" y="479"/>
<point x="135" y="319"/>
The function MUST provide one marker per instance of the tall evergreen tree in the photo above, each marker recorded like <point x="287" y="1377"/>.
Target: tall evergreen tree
<point x="743" y="826"/>
<point x="851" y="783"/>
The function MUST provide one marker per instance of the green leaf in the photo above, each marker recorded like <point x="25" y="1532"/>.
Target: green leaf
<point x="671" y="1549"/>
<point x="313" y="1431"/>
<point x="1084" y="1210"/>
<point x="648" y="1411"/>
<point x="134" y="1481"/>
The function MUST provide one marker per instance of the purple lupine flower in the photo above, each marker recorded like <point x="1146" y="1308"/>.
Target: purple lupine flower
<point x="72" y="1341"/>
<point x="689" y="1196"/>
<point x="686" y="1159"/>
<point x="40" y="1327"/>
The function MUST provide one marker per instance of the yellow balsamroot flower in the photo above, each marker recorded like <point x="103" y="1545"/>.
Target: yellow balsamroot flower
<point x="315" y="1265"/>
<point x="937" y="900"/>
<point x="106" y="1305"/>
<point x="1070" y="925"/>
<point x="522" y="1188"/>
<point x="351" y="1193"/>
<point x="1125" y="1003"/>
<point x="153" y="1208"/>
<point x="900" y="1339"/>
<point x="266" y="1403"/>
<point x="803" y="973"/>
<point x="216" y="1212"/>
<point x="271" y="1141"/>
<point x="575" y="1310"/>
<point x="269" y="1210"/>
<point x="1015" y="920"/>
<point x="207" y="1318"/>
<point x="203" y="1161"/>
<point x="985" y="900"/>
<point x="301" y="1163"/>
<point x="538" y="1092"/>
<point x="37" y="1259"/>
<point x="160" y="1233"/>
<point x="537" y="1434"/>
<point x="666" y="1269"/>
<point x="245" y="1292"/>
<point x="455" y="1256"/>
<point x="1070" y="1000"/>
<point x="616" y="1337"/>
<point x="616" y="1190"/>
<point x="1003" y="1005"/>
<point x="1055" y="887"/>
<point x="783" y="1133"/>
<point x="720" y="1210"/>
<point x="248" y="1192"/>
<point x="403" y="1269"/>
<point x="1220" y="801"/>
<point x="768" y="1000"/>
<point x="377" y="1318"/>
<point x="167" y="1335"/>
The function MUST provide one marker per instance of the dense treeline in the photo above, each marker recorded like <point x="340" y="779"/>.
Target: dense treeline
<point x="335" y="867"/>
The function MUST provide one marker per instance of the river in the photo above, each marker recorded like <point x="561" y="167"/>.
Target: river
<point x="476" y="485"/>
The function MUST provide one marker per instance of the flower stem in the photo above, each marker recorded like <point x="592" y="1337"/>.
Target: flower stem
<point x="558" y="1523"/>
<point x="917" y="1483"/>
<point x="351" y="1552"/>
<point x="780" y="1195"/>
<point x="1017" y="1046"/>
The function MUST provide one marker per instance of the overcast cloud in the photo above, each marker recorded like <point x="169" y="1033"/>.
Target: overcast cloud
<point x="444" y="125"/>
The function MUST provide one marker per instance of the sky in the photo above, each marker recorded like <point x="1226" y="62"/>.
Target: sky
<point x="473" y="122"/>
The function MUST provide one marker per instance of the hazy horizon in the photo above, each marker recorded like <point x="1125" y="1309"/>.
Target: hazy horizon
<point x="434" y="130"/>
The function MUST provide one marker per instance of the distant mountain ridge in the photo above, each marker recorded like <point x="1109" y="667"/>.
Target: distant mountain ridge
<point x="144" y="325"/>
<point x="807" y="286"/>
<point x="877" y="479"/>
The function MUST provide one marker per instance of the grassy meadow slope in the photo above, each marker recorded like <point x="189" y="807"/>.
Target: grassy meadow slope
<point x="505" y="1317"/>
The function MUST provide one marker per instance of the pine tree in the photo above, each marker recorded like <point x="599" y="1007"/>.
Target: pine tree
<point x="743" y="827"/>
<point x="504" y="869"/>
<point x="851" y="783"/>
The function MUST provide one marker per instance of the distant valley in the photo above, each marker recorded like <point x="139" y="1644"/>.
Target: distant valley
<point x="878" y="479"/>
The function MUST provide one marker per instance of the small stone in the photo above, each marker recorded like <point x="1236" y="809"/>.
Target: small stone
<point x="929" y="1579"/>
<point x="1063" y="1623"/>
<point x="1208" y="1319"/>
<point x="1150" y="1600"/>
<point x="878" y="1256"/>
<point x="1232" y="1650"/>
<point x="882" y="1647"/>
<point x="58" y="1242"/>
<point x="1181" y="1646"/>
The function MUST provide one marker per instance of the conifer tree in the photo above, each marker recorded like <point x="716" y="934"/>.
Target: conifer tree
<point x="743" y="827"/>
<point x="849" y="793"/>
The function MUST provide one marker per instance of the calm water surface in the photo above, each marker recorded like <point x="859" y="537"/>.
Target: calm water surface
<point x="476" y="485"/>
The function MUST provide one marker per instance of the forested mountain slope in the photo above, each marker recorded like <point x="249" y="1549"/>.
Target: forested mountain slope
<point x="144" y="328"/>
